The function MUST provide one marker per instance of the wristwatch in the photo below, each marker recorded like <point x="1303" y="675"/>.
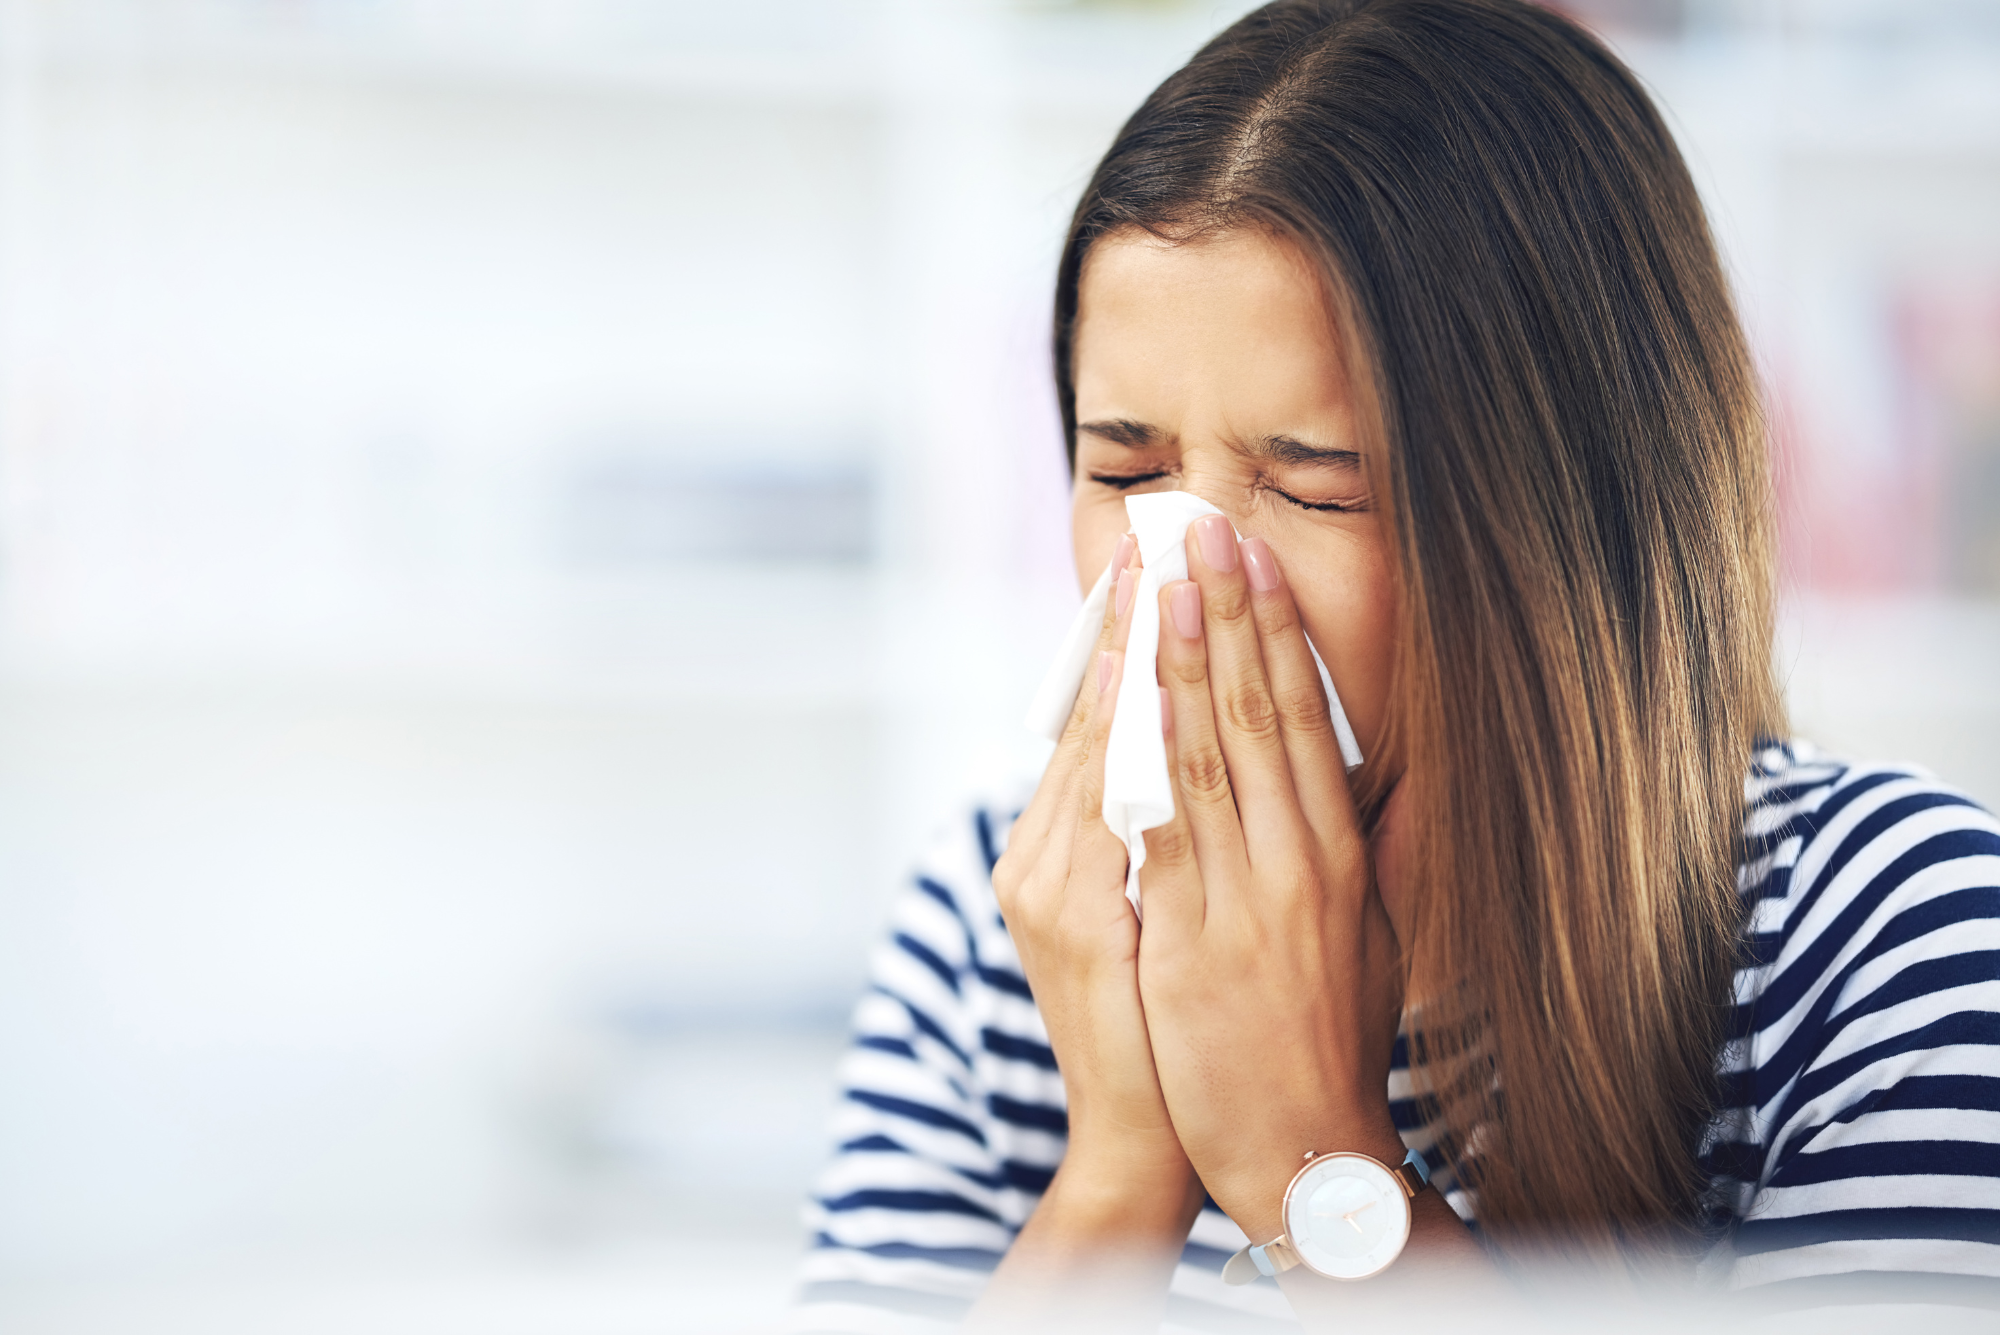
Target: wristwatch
<point x="1346" y="1216"/>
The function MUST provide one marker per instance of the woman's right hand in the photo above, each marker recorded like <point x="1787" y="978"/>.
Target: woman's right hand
<point x="1113" y="1221"/>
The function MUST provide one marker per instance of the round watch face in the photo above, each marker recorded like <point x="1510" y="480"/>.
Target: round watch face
<point x="1346" y="1216"/>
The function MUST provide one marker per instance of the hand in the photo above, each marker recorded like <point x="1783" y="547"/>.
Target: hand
<point x="1269" y="969"/>
<point x="1105" y="1236"/>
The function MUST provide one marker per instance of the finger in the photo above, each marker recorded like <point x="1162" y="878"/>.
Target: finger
<point x="1089" y="834"/>
<point x="1170" y="883"/>
<point x="1305" y="721"/>
<point x="1202" y="788"/>
<point x="1034" y="821"/>
<point x="1246" y="714"/>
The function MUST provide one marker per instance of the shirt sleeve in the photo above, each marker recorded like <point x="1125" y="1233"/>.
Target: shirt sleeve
<point x="911" y="1215"/>
<point x="1877" y="1070"/>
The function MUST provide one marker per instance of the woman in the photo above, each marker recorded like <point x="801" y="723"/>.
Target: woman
<point x="1419" y="294"/>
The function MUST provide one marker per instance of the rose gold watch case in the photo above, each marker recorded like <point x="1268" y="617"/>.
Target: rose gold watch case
<point x="1291" y="1237"/>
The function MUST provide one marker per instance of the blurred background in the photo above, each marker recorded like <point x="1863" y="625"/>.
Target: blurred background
<point x="518" y="516"/>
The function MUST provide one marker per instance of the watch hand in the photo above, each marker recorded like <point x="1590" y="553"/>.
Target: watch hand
<point x="1349" y="1216"/>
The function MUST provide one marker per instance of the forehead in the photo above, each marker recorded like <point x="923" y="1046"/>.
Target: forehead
<point x="1232" y="321"/>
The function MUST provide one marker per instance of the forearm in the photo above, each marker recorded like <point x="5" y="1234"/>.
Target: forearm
<point x="1099" y="1250"/>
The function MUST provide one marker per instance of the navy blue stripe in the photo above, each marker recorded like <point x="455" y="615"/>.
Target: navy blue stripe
<point x="871" y="1144"/>
<point x="926" y="1026"/>
<point x="1756" y="1236"/>
<point x="960" y="1258"/>
<point x="1979" y="1093"/>
<point x="1912" y="1093"/>
<point x="1780" y="994"/>
<point x="941" y="895"/>
<point x="1977" y="1028"/>
<point x="1025" y="1176"/>
<point x="1038" y="1116"/>
<point x="983" y="824"/>
<point x="879" y="1043"/>
<point x="1898" y="1158"/>
<point x="1809" y="1036"/>
<point x="908" y="1201"/>
<point x="1018" y="1049"/>
<point x="917" y="1112"/>
<point x="1931" y="914"/>
<point x="1807" y="824"/>
<point x="1003" y="980"/>
<point x="929" y="958"/>
<point x="1921" y="979"/>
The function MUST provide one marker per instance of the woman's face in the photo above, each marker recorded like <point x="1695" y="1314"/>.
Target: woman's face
<point x="1213" y="368"/>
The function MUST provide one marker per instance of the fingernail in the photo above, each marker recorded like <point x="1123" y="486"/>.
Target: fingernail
<point x="1166" y="713"/>
<point x="1185" y="604"/>
<point x="1218" y="543"/>
<point x="1122" y="556"/>
<point x="1105" y="662"/>
<point x="1125" y="582"/>
<point x="1259" y="566"/>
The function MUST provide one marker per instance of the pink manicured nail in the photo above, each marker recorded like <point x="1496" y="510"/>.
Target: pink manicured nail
<point x="1218" y="543"/>
<point x="1122" y="556"/>
<point x="1259" y="566"/>
<point x="1166" y="713"/>
<point x="1105" y="662"/>
<point x="1185" y="603"/>
<point x="1126" y="580"/>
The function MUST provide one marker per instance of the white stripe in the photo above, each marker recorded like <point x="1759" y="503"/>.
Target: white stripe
<point x="1947" y="939"/>
<point x="1774" y="1030"/>
<point x="1957" y="1059"/>
<point x="1936" y="1255"/>
<point x="1898" y="1124"/>
<point x="1876" y="1193"/>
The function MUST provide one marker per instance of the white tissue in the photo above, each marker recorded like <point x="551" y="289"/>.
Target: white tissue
<point x="1138" y="791"/>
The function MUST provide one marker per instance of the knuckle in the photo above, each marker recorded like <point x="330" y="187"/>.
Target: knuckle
<point x="1302" y="710"/>
<point x="1169" y="845"/>
<point x="1007" y="878"/>
<point x="1204" y="774"/>
<point x="1250" y="712"/>
<point x="1278" y="617"/>
<point x="1191" y="670"/>
<point x="1226" y="604"/>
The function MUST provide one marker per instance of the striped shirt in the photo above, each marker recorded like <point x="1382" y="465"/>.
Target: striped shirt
<point x="1858" y="1148"/>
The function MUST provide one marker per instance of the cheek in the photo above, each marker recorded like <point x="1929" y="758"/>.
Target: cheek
<point x="1348" y="605"/>
<point x="1096" y="522"/>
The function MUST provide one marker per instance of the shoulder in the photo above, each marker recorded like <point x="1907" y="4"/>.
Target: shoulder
<point x="1842" y="858"/>
<point x="1864" y="1068"/>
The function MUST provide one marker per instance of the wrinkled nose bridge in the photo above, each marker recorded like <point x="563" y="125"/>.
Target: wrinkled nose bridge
<point x="1226" y="495"/>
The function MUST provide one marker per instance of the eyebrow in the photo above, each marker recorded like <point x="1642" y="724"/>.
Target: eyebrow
<point x="1284" y="449"/>
<point x="1123" y="431"/>
<point x="1291" y="450"/>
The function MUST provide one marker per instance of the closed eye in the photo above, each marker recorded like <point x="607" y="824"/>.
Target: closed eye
<point x="1125" y="482"/>
<point x="1334" y="507"/>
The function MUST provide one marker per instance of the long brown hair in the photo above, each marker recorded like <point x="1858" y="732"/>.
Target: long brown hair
<point x="1576" y="472"/>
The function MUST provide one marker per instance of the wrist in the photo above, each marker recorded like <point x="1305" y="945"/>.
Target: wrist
<point x="1253" y="1192"/>
<point x="1123" y="1192"/>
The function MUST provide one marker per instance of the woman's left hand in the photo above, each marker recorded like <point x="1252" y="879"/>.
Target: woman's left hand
<point x="1268" y="968"/>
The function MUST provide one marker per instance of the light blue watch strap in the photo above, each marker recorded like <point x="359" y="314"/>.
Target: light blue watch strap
<point x="1415" y="1159"/>
<point x="1263" y="1263"/>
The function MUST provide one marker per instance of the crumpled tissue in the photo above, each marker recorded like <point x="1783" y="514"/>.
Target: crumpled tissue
<point x="1138" y="791"/>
